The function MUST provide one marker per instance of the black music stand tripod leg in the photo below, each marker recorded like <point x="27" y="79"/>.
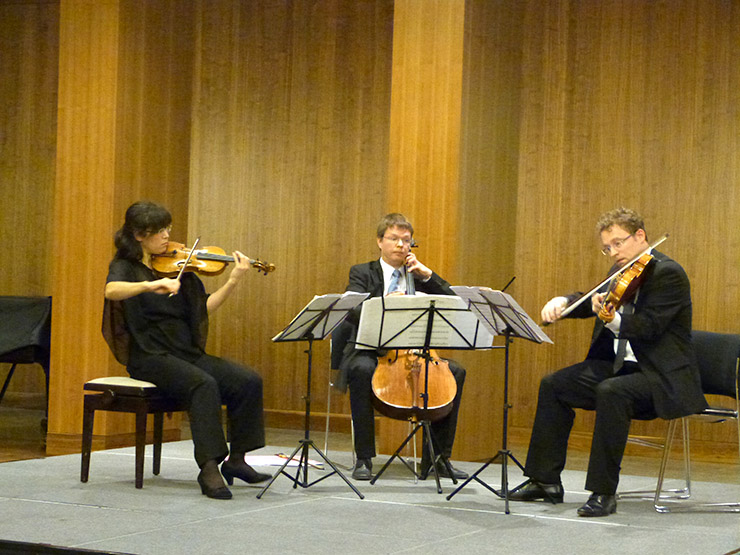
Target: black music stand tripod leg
<point x="281" y="470"/>
<point x="424" y="425"/>
<point x="396" y="453"/>
<point x="305" y="443"/>
<point x="303" y="465"/>
<point x="504" y="454"/>
<point x="474" y="476"/>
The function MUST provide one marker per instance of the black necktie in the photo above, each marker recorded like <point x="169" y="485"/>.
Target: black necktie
<point x="629" y="308"/>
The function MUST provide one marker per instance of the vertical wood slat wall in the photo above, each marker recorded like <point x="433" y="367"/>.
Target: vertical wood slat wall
<point x="124" y="105"/>
<point x="29" y="43"/>
<point x="290" y="142"/>
<point x="83" y="199"/>
<point x="423" y="164"/>
<point x="626" y="103"/>
<point x="566" y="109"/>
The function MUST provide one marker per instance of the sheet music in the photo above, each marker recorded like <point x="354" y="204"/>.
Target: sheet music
<point x="479" y="305"/>
<point x="400" y="322"/>
<point x="321" y="315"/>
<point x="509" y="310"/>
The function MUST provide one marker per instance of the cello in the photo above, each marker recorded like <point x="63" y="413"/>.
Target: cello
<point x="404" y="377"/>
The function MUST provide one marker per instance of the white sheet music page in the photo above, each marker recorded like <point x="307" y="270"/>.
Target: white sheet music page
<point x="337" y="305"/>
<point x="401" y="321"/>
<point x="480" y="307"/>
<point x="521" y="324"/>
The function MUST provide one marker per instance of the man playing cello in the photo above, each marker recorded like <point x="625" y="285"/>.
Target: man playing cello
<point x="653" y="374"/>
<point x="387" y="276"/>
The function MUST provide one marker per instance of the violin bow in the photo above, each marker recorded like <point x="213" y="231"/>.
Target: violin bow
<point x="185" y="264"/>
<point x="568" y="309"/>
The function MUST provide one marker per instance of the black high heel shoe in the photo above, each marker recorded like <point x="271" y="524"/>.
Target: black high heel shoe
<point x="214" y="493"/>
<point x="243" y="472"/>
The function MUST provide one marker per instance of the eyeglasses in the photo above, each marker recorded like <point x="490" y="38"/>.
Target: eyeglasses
<point x="615" y="245"/>
<point x="162" y="230"/>
<point x="394" y="239"/>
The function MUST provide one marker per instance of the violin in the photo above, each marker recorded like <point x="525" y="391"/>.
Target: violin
<point x="403" y="377"/>
<point x="208" y="261"/>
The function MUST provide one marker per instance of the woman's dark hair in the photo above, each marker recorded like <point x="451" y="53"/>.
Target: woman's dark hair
<point x="142" y="218"/>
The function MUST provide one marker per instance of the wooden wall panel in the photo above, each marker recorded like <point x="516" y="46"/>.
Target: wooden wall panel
<point x="290" y="143"/>
<point x="29" y="36"/>
<point x="625" y="103"/>
<point x="124" y="134"/>
<point x="555" y="111"/>
<point x="83" y="199"/>
<point x="155" y="89"/>
<point x="426" y="99"/>
<point x="489" y="149"/>
<point x="425" y="119"/>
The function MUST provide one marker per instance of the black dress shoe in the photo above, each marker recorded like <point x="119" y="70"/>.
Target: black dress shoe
<point x="214" y="492"/>
<point x="533" y="491"/>
<point x="599" y="504"/>
<point x="363" y="470"/>
<point x="426" y="469"/>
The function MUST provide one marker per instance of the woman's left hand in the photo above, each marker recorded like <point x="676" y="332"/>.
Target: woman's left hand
<point x="241" y="266"/>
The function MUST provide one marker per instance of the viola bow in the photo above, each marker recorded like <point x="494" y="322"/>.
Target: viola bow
<point x="571" y="307"/>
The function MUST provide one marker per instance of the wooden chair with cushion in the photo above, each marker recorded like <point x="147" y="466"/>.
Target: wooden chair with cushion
<point x="123" y="394"/>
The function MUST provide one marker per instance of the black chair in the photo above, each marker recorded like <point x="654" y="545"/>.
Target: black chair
<point x="25" y="337"/>
<point x="123" y="394"/>
<point x="718" y="356"/>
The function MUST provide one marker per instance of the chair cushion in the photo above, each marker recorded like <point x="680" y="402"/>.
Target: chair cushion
<point x="122" y="385"/>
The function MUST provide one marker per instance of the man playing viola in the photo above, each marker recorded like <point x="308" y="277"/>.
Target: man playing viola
<point x="387" y="276"/>
<point x="650" y="373"/>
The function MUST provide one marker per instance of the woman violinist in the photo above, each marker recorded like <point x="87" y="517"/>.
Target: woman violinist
<point x="157" y="327"/>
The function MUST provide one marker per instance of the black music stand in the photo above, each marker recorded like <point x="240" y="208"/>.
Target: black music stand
<point x="316" y="321"/>
<point x="420" y="322"/>
<point x="509" y="320"/>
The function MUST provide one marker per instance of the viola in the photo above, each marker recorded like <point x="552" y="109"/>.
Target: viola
<point x="573" y="305"/>
<point x="403" y="376"/>
<point x="208" y="261"/>
<point x="625" y="285"/>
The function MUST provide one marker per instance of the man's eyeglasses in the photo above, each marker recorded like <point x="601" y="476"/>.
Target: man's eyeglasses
<point x="393" y="239"/>
<point x="614" y="245"/>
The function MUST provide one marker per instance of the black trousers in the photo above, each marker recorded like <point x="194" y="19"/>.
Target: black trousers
<point x="205" y="385"/>
<point x="591" y="385"/>
<point x="359" y="381"/>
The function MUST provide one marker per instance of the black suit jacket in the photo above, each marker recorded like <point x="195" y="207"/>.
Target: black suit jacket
<point x="659" y="331"/>
<point x="368" y="278"/>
